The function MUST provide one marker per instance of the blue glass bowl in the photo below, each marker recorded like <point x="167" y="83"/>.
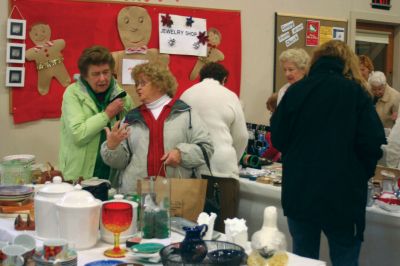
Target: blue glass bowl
<point x="226" y="256"/>
<point x="219" y="253"/>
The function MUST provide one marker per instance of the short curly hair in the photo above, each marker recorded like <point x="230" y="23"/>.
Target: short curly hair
<point x="297" y="56"/>
<point x="367" y="62"/>
<point x="215" y="71"/>
<point x="159" y="76"/>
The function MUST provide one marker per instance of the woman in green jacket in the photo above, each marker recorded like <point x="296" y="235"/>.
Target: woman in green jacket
<point x="89" y="105"/>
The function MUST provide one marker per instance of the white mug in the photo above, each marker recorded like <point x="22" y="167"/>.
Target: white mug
<point x="13" y="255"/>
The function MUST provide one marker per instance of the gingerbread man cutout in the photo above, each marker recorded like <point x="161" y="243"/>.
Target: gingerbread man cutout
<point x="134" y="27"/>
<point x="48" y="57"/>
<point x="213" y="54"/>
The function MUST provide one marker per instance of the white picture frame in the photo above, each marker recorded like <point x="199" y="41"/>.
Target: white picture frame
<point x="15" y="77"/>
<point x="16" y="29"/>
<point x="15" y="53"/>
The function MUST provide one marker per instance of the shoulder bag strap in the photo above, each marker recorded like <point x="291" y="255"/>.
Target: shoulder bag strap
<point x="205" y="157"/>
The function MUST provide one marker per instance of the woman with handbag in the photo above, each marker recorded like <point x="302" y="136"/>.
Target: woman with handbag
<point x="161" y="130"/>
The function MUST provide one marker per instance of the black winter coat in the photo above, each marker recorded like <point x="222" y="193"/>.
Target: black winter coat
<point x="330" y="137"/>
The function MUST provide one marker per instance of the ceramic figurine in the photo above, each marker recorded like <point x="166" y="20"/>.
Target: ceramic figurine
<point x="269" y="238"/>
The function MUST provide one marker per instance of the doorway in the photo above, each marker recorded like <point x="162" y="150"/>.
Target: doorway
<point x="377" y="42"/>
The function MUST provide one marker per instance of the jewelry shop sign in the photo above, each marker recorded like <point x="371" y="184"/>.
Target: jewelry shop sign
<point x="182" y="35"/>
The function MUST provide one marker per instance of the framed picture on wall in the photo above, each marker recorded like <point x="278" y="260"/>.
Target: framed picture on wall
<point x="15" y="77"/>
<point x="16" y="29"/>
<point x="15" y="53"/>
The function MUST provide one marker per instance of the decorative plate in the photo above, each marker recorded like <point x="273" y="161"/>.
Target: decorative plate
<point x="104" y="263"/>
<point x="147" y="248"/>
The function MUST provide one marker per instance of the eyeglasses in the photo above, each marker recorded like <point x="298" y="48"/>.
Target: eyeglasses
<point x="142" y="83"/>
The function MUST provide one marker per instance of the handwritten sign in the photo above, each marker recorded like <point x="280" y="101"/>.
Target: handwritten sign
<point x="298" y="28"/>
<point x="284" y="36"/>
<point x="287" y="26"/>
<point x="289" y="42"/>
<point x="127" y="66"/>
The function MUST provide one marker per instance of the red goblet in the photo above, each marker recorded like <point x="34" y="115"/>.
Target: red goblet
<point x="116" y="217"/>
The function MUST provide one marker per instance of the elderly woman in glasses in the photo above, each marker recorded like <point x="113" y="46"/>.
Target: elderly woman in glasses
<point x="386" y="99"/>
<point x="161" y="130"/>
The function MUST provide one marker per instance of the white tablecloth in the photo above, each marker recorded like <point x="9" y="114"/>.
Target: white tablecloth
<point x="7" y="233"/>
<point x="381" y="237"/>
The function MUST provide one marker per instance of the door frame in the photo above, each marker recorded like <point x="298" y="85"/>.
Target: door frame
<point x="383" y="19"/>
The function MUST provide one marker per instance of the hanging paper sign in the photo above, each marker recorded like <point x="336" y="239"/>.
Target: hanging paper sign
<point x="325" y="34"/>
<point x="283" y="36"/>
<point x="312" y="33"/>
<point x="289" y="42"/>
<point x="287" y="26"/>
<point x="179" y="35"/>
<point x="338" y="33"/>
<point x="298" y="28"/>
<point x="127" y="66"/>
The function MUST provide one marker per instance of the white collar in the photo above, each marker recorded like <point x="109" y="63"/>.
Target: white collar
<point x="160" y="102"/>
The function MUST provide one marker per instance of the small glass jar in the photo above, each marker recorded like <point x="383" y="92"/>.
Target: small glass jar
<point x="155" y="195"/>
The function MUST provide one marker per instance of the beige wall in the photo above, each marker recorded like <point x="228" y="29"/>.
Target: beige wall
<point x="42" y="137"/>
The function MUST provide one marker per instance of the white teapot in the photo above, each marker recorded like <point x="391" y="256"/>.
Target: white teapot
<point x="79" y="216"/>
<point x="46" y="221"/>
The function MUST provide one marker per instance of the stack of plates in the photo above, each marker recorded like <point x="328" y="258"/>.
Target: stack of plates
<point x="70" y="260"/>
<point x="15" y="195"/>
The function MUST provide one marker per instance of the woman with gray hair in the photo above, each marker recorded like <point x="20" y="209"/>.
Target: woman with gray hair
<point x="295" y="64"/>
<point x="386" y="99"/>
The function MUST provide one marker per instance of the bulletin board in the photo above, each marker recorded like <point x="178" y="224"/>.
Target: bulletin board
<point x="293" y="31"/>
<point x="82" y="24"/>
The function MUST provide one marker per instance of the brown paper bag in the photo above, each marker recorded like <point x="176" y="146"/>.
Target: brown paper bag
<point x="187" y="197"/>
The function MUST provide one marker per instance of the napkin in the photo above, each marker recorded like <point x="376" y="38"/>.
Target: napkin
<point x="208" y="220"/>
<point x="236" y="231"/>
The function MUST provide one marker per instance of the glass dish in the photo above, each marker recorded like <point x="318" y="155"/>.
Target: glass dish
<point x="219" y="253"/>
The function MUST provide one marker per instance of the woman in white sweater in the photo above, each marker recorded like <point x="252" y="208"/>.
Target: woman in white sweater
<point x="222" y="113"/>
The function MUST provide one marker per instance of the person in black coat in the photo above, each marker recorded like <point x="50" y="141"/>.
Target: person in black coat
<point x="330" y="137"/>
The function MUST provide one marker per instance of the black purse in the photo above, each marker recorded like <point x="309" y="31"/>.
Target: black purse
<point x="212" y="204"/>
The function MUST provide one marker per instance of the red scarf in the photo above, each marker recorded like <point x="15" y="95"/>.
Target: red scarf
<point x="156" y="135"/>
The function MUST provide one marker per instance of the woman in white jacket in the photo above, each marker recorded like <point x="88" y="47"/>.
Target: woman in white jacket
<point x="391" y="151"/>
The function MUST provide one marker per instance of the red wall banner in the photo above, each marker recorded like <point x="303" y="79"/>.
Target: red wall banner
<point x="83" y="24"/>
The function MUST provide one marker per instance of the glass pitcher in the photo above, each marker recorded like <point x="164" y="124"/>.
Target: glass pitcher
<point x="193" y="247"/>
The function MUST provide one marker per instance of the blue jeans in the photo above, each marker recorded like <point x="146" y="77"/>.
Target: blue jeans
<point x="344" y="242"/>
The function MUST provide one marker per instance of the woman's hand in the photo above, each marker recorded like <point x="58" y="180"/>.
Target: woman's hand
<point x="114" y="108"/>
<point x="116" y="135"/>
<point x="172" y="158"/>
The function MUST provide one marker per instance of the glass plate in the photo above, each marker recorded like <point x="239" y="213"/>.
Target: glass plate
<point x="104" y="263"/>
<point x="17" y="190"/>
